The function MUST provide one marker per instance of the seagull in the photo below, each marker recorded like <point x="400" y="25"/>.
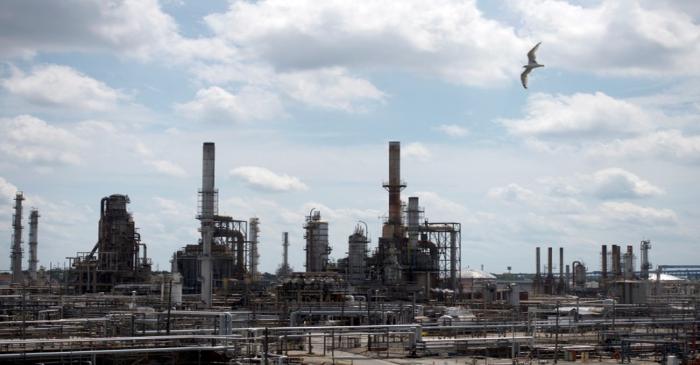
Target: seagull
<point x="531" y="64"/>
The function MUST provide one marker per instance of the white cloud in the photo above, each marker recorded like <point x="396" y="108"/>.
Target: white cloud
<point x="609" y="37"/>
<point x="134" y="28"/>
<point x="448" y="39"/>
<point x="32" y="139"/>
<point x="56" y="85"/>
<point x="416" y="151"/>
<point x="617" y="183"/>
<point x="262" y="178"/>
<point x="167" y="167"/>
<point x="672" y="144"/>
<point x="219" y="105"/>
<point x="7" y="191"/>
<point x="638" y="215"/>
<point x="439" y="208"/>
<point x="580" y="117"/>
<point x="511" y="193"/>
<point x="453" y="130"/>
<point x="329" y="88"/>
<point x="162" y="166"/>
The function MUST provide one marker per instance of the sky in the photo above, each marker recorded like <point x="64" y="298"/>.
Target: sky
<point x="302" y="97"/>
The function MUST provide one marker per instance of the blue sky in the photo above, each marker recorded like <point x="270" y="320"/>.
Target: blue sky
<point x="301" y="98"/>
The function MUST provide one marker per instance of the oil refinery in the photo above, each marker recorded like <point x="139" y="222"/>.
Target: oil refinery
<point x="405" y="299"/>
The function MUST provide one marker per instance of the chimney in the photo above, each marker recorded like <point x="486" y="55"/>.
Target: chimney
<point x="285" y="250"/>
<point x="206" y="217"/>
<point x="537" y="261"/>
<point x="604" y="262"/>
<point x="16" y="262"/>
<point x="561" y="263"/>
<point x="395" y="182"/>
<point x="253" y="256"/>
<point x="617" y="272"/>
<point x="33" y="242"/>
<point x="549" y="261"/>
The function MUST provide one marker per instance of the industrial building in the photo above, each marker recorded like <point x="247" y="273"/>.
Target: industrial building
<point x="116" y="257"/>
<point x="404" y="298"/>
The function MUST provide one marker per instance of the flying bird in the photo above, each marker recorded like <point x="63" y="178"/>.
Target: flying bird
<point x="531" y="64"/>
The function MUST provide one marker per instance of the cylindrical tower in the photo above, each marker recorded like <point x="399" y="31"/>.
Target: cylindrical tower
<point x="17" y="277"/>
<point x="206" y="217"/>
<point x="253" y="256"/>
<point x="33" y="242"/>
<point x="357" y="256"/>
<point x="317" y="248"/>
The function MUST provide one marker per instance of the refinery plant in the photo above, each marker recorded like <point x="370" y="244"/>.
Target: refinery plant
<point x="405" y="299"/>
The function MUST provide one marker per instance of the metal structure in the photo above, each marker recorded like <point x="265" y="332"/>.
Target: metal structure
<point x="253" y="256"/>
<point x="16" y="255"/>
<point x="284" y="269"/>
<point x="645" y="265"/>
<point x="115" y="259"/>
<point x="33" y="242"/>
<point x="222" y="250"/>
<point x="357" y="256"/>
<point x="317" y="247"/>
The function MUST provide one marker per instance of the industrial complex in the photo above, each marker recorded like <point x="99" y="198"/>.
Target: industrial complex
<point x="406" y="299"/>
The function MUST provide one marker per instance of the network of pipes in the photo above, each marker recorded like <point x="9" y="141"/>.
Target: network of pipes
<point x="406" y="299"/>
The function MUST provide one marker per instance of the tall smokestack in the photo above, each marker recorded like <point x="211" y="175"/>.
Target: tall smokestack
<point x="561" y="263"/>
<point x="549" y="261"/>
<point x="394" y="186"/>
<point x="537" y="261"/>
<point x="617" y="272"/>
<point x="604" y="262"/>
<point x="206" y="217"/>
<point x="33" y="242"/>
<point x="253" y="249"/>
<point x="285" y="251"/>
<point x="645" y="265"/>
<point x="17" y="277"/>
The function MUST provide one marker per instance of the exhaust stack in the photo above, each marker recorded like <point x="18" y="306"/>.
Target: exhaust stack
<point x="33" y="242"/>
<point x="17" y="275"/>
<point x="208" y="196"/>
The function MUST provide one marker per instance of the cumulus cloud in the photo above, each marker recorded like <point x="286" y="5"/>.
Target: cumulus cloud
<point x="160" y="165"/>
<point x="449" y="39"/>
<point x="626" y="212"/>
<point x="416" y="151"/>
<point x="580" y="116"/>
<point x="617" y="183"/>
<point x="7" y="191"/>
<point x="134" y="28"/>
<point x="672" y="144"/>
<point x="440" y="208"/>
<point x="56" y="85"/>
<point x="330" y="88"/>
<point x="649" y="40"/>
<point x="218" y="105"/>
<point x="511" y="193"/>
<point x="453" y="130"/>
<point x="31" y="139"/>
<point x="264" y="179"/>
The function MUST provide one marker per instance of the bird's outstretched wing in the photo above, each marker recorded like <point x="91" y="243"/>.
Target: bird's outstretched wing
<point x="531" y="55"/>
<point x="523" y="77"/>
